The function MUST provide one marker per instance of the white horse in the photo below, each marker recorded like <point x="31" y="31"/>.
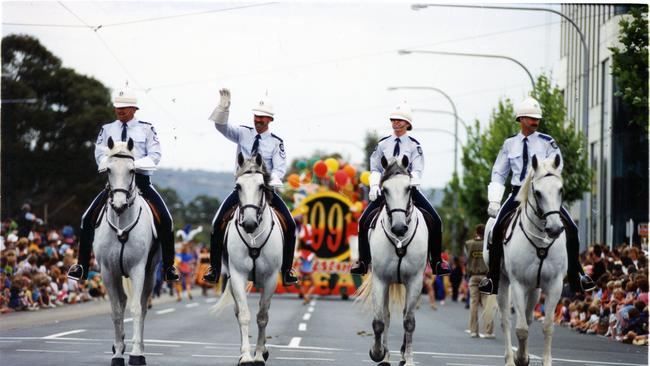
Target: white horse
<point x="124" y="247"/>
<point x="534" y="258"/>
<point x="399" y="257"/>
<point x="254" y="247"/>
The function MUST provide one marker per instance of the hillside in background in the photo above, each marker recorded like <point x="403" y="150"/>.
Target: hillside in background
<point x="191" y="183"/>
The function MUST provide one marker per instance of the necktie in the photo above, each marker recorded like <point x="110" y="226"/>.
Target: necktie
<point x="396" y="150"/>
<point x="256" y="144"/>
<point x="123" y="131"/>
<point x="524" y="153"/>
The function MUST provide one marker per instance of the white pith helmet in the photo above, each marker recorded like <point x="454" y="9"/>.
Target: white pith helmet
<point x="529" y="107"/>
<point x="125" y="97"/>
<point x="403" y="112"/>
<point x="264" y="107"/>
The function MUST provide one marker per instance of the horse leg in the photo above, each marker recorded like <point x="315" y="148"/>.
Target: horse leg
<point x="520" y="302"/>
<point x="412" y="294"/>
<point x="553" y="293"/>
<point x="118" y="299"/>
<point x="378" y="351"/>
<point x="238" y="282"/>
<point x="503" y="298"/>
<point x="138" y="311"/>
<point x="261" y="352"/>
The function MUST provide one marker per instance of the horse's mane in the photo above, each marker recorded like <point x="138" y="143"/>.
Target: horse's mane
<point x="119" y="148"/>
<point x="394" y="168"/>
<point x="544" y="168"/>
<point x="249" y="166"/>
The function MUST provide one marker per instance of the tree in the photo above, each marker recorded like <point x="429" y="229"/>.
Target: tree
<point x="174" y="204"/>
<point x="50" y="118"/>
<point x="201" y="210"/>
<point x="630" y="64"/>
<point x="370" y="144"/>
<point x="482" y="148"/>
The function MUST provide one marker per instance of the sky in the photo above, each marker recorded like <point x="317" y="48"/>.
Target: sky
<point x="325" y="65"/>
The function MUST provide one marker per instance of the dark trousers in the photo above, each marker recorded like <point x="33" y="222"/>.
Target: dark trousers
<point x="431" y="217"/>
<point x="496" y="247"/>
<point x="219" y="227"/>
<point x="149" y="193"/>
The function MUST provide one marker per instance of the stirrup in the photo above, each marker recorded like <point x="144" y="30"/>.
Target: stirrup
<point x="77" y="273"/>
<point x="359" y="268"/>
<point x="212" y="275"/>
<point x="586" y="283"/>
<point x="288" y="277"/>
<point x="442" y="268"/>
<point x="486" y="286"/>
<point x="171" y="274"/>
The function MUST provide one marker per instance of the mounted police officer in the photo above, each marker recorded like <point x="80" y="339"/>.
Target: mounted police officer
<point x="397" y="144"/>
<point x="251" y="141"/>
<point x="146" y="150"/>
<point x="516" y="155"/>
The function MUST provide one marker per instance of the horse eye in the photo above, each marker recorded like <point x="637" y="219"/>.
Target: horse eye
<point x="538" y="194"/>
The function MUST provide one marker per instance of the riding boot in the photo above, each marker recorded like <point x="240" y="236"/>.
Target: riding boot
<point x="361" y="265"/>
<point x="216" y="250"/>
<point x="490" y="284"/>
<point x="439" y="266"/>
<point x="578" y="280"/>
<point x="288" y="278"/>
<point x="79" y="271"/>
<point x="169" y="271"/>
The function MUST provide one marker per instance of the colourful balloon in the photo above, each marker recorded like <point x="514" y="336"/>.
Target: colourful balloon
<point x="350" y="170"/>
<point x="294" y="180"/>
<point x="332" y="164"/>
<point x="365" y="178"/>
<point x="320" y="169"/>
<point x="301" y="164"/>
<point x="341" y="178"/>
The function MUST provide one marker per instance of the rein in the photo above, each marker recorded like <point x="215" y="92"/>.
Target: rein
<point x="128" y="192"/>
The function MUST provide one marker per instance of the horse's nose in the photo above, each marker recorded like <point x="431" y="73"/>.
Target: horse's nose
<point x="249" y="226"/>
<point x="554" y="232"/>
<point x="119" y="208"/>
<point x="399" y="229"/>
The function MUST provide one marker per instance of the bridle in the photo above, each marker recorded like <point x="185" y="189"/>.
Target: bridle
<point x="259" y="209"/>
<point x="130" y="197"/>
<point x="537" y="210"/>
<point x="408" y="211"/>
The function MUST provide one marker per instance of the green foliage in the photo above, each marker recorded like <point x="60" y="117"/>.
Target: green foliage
<point x="630" y="64"/>
<point x="201" y="210"/>
<point x="50" y="119"/>
<point x="370" y="143"/>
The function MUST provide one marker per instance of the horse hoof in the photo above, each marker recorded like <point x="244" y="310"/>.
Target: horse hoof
<point x="265" y="355"/>
<point x="522" y="362"/>
<point x="383" y="364"/>
<point x="137" y="360"/>
<point x="258" y="363"/>
<point x="402" y="363"/>
<point x="117" y="361"/>
<point x="378" y="358"/>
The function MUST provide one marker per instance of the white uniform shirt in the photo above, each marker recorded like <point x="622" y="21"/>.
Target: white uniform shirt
<point x="271" y="147"/>
<point x="408" y="146"/>
<point x="511" y="157"/>
<point x="145" y="141"/>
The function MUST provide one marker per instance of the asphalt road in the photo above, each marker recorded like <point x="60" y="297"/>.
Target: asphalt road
<point x="329" y="331"/>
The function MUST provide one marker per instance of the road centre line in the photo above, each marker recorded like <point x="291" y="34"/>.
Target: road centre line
<point x="295" y="342"/>
<point x="215" y="356"/>
<point x="57" y="335"/>
<point x="311" y="309"/>
<point x="145" y="354"/>
<point x="165" y="311"/>
<point x="303" y="350"/>
<point x="84" y="343"/>
<point x="304" y="359"/>
<point x="302" y="327"/>
<point x="192" y="305"/>
<point x="45" y="350"/>
<point x="307" y="316"/>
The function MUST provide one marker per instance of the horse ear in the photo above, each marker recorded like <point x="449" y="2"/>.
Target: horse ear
<point x="405" y="162"/>
<point x="258" y="159"/>
<point x="129" y="144"/>
<point x="110" y="142"/>
<point x="535" y="162"/>
<point x="240" y="159"/>
<point x="557" y="161"/>
<point x="384" y="162"/>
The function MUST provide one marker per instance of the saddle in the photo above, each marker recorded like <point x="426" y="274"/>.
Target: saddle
<point x="507" y="227"/>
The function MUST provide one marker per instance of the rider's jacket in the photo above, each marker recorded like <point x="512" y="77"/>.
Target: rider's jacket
<point x="145" y="141"/>
<point x="407" y="146"/>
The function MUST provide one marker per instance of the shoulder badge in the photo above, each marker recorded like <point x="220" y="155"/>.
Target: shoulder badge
<point x="545" y="137"/>
<point x="283" y="154"/>
<point x="276" y="136"/>
<point x="100" y="137"/>
<point x="419" y="149"/>
<point x="146" y="123"/>
<point x="554" y="144"/>
<point x="249" y="127"/>
<point x="383" y="138"/>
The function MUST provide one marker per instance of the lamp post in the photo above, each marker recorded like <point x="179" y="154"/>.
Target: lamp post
<point x="439" y="111"/>
<point x="485" y="55"/>
<point x="585" y="84"/>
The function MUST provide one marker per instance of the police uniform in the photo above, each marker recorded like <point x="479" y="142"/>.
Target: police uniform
<point x="394" y="146"/>
<point x="145" y="146"/>
<point x="271" y="148"/>
<point x="516" y="156"/>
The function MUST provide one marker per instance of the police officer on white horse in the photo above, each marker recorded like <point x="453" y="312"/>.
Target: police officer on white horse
<point x="147" y="152"/>
<point x="251" y="141"/>
<point x="395" y="145"/>
<point x="516" y="156"/>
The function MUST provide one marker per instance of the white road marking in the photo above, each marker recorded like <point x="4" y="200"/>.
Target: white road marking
<point x="311" y="309"/>
<point x="127" y="320"/>
<point x="295" y="342"/>
<point x="57" y="335"/>
<point x="465" y="364"/>
<point x="302" y="327"/>
<point x="44" y="350"/>
<point x="162" y="345"/>
<point x="303" y="350"/>
<point x="312" y="303"/>
<point x="212" y="299"/>
<point x="215" y="356"/>
<point x="307" y="316"/>
<point x="192" y="305"/>
<point x="8" y="341"/>
<point x="165" y="311"/>
<point x="304" y="359"/>
<point x="67" y="342"/>
<point x="144" y="354"/>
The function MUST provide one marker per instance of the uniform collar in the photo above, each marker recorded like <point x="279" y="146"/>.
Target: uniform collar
<point x="130" y="123"/>
<point x="264" y="134"/>
<point x="521" y="137"/>
<point x="401" y="138"/>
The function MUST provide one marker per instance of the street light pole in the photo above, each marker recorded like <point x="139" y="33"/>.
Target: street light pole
<point x="439" y="111"/>
<point x="446" y="53"/>
<point x="585" y="85"/>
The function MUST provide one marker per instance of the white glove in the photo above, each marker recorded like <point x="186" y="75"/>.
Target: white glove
<point x="220" y="113"/>
<point x="495" y="191"/>
<point x="374" y="193"/>
<point x="493" y="209"/>
<point x="145" y="163"/>
<point x="103" y="164"/>
<point x="415" y="180"/>
<point x="275" y="181"/>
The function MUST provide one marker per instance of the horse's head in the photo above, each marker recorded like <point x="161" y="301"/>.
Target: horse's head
<point x="396" y="189"/>
<point x="120" y="169"/>
<point x="542" y="191"/>
<point x="252" y="187"/>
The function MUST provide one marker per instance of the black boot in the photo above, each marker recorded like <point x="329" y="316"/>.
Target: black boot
<point x="359" y="268"/>
<point x="288" y="278"/>
<point x="441" y="268"/>
<point x="77" y="273"/>
<point x="212" y="275"/>
<point x="171" y="274"/>
<point x="487" y="287"/>
<point x="586" y="283"/>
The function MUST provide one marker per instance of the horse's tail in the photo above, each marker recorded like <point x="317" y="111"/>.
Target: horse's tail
<point x="227" y="299"/>
<point x="396" y="295"/>
<point x="127" y="285"/>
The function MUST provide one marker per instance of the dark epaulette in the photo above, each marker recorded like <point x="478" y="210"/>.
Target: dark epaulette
<point x="383" y="138"/>
<point x="414" y="140"/>
<point x="272" y="134"/>
<point x="146" y="123"/>
<point x="545" y="137"/>
<point x="249" y="127"/>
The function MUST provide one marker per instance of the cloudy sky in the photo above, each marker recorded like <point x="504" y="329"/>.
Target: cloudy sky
<point x="326" y="66"/>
